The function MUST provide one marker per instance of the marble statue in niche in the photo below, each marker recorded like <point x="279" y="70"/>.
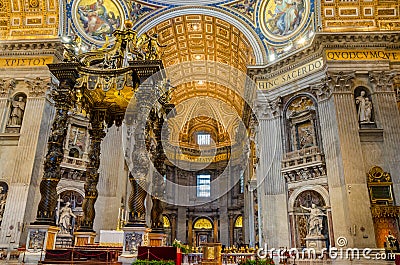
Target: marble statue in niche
<point x="310" y="218"/>
<point x="17" y="111"/>
<point x="315" y="221"/>
<point x="65" y="219"/>
<point x="3" y="198"/>
<point x="364" y="108"/>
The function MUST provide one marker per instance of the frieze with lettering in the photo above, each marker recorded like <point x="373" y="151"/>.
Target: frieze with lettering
<point x="291" y="75"/>
<point x="25" y="62"/>
<point x="362" y="55"/>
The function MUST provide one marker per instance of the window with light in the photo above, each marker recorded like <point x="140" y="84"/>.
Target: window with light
<point x="203" y="139"/>
<point x="203" y="185"/>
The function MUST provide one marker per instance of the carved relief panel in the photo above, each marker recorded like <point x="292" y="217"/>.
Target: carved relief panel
<point x="303" y="158"/>
<point x="301" y="124"/>
<point x="77" y="141"/>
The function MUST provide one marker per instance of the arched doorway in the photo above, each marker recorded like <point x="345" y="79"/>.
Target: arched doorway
<point x="168" y="230"/>
<point x="238" y="232"/>
<point x="203" y="230"/>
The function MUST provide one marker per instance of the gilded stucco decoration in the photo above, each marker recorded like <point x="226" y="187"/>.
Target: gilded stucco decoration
<point x="363" y="15"/>
<point x="244" y="7"/>
<point x="28" y="19"/>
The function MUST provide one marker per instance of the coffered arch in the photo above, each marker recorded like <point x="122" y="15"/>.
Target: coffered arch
<point x="218" y="17"/>
<point x="206" y="60"/>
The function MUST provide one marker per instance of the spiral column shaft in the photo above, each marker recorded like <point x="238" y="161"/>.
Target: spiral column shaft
<point x="63" y="96"/>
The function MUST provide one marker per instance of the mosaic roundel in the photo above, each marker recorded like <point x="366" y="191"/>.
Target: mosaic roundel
<point x="96" y="19"/>
<point x="280" y="20"/>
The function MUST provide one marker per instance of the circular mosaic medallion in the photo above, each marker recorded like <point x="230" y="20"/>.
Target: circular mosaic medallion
<point x="281" y="20"/>
<point x="96" y="19"/>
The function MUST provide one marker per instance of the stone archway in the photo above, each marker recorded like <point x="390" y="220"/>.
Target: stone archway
<point x="299" y="218"/>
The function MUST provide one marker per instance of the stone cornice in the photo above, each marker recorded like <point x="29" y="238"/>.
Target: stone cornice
<point x="29" y="48"/>
<point x="389" y="40"/>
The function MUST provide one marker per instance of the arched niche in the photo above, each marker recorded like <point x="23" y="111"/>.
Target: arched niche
<point x="16" y="113"/>
<point x="301" y="123"/>
<point x="3" y="198"/>
<point x="167" y="229"/>
<point x="364" y="107"/>
<point x="203" y="228"/>
<point x="299" y="216"/>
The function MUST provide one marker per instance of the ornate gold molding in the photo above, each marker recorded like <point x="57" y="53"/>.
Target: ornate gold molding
<point x="385" y="211"/>
<point x="32" y="19"/>
<point x="360" y="15"/>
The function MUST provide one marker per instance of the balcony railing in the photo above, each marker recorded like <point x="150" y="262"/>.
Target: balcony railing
<point x="307" y="163"/>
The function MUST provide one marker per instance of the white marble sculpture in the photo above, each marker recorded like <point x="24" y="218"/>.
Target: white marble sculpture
<point x="17" y="111"/>
<point x="364" y="108"/>
<point x="65" y="219"/>
<point x="315" y="221"/>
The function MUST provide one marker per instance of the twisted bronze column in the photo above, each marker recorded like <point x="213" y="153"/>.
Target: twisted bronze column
<point x="92" y="176"/>
<point x="63" y="97"/>
<point x="137" y="209"/>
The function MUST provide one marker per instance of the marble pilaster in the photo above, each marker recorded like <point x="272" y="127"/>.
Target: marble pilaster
<point x="388" y="116"/>
<point x="344" y="160"/>
<point x="271" y="186"/>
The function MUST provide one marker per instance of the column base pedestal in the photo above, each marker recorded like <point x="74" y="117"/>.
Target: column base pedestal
<point x="40" y="238"/>
<point x="127" y="259"/>
<point x="157" y="239"/>
<point x="134" y="236"/>
<point x="315" y="242"/>
<point x="84" y="238"/>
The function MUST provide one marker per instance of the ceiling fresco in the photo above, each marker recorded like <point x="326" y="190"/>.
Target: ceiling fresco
<point x="276" y="25"/>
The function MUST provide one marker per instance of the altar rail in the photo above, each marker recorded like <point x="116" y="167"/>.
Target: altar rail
<point x="75" y="254"/>
<point x="227" y="258"/>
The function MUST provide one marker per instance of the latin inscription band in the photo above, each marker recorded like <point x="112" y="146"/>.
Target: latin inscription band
<point x="291" y="76"/>
<point x="344" y="55"/>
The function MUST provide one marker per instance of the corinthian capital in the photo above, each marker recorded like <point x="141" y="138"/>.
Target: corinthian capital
<point x="333" y="82"/>
<point x="342" y="81"/>
<point x="382" y="81"/>
<point x="269" y="108"/>
<point x="38" y="86"/>
<point x="7" y="86"/>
